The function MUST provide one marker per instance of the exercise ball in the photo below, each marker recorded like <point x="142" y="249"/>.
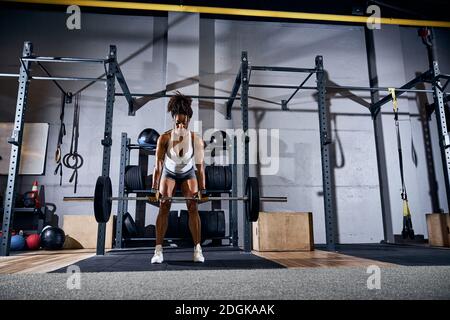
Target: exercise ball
<point x="148" y="138"/>
<point x="45" y="228"/>
<point x="17" y="243"/>
<point x="33" y="241"/>
<point x="52" y="238"/>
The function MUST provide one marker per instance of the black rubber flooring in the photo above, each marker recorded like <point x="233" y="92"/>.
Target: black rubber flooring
<point x="216" y="258"/>
<point x="405" y="255"/>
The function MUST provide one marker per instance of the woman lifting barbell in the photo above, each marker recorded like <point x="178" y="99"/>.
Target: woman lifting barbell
<point x="179" y="152"/>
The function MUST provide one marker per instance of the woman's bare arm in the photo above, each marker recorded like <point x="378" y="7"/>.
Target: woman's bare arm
<point x="161" y="148"/>
<point x="199" y="162"/>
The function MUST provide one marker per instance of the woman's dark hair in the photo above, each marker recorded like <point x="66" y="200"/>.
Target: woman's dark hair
<point x="180" y="104"/>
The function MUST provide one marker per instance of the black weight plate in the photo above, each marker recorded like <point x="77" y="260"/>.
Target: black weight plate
<point x="135" y="177"/>
<point x="228" y="178"/>
<point x="218" y="177"/>
<point x="227" y="183"/>
<point x="148" y="181"/>
<point x="129" y="226"/>
<point x="172" y="227"/>
<point x="128" y="180"/>
<point x="102" y="199"/>
<point x="209" y="173"/>
<point x="221" y="177"/>
<point x="252" y="203"/>
<point x="204" y="223"/>
<point x="212" y="179"/>
<point x="209" y="176"/>
<point x="220" y="232"/>
<point x="183" y="224"/>
<point x="150" y="231"/>
<point x="140" y="178"/>
<point x="212" y="224"/>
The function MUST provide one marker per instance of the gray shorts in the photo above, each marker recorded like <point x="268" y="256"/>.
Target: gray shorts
<point x="179" y="177"/>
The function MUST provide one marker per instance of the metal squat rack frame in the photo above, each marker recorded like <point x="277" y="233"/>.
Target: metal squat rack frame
<point x="432" y="76"/>
<point x="112" y="71"/>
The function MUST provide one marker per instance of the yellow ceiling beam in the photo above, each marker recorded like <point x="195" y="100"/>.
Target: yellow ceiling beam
<point x="236" y="12"/>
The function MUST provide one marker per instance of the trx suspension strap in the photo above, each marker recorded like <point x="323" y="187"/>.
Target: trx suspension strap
<point x="73" y="160"/>
<point x="62" y="133"/>
<point x="407" y="223"/>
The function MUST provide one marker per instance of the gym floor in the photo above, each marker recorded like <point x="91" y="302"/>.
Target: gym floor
<point x="406" y="272"/>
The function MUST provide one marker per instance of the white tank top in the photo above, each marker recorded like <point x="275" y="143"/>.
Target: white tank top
<point x="173" y="161"/>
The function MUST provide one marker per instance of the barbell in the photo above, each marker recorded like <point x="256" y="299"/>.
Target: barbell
<point x="103" y="199"/>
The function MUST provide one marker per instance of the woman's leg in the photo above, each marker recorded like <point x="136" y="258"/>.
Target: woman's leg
<point x="189" y="189"/>
<point x="166" y="188"/>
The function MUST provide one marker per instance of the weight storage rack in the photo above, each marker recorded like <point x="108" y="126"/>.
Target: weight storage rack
<point x="144" y="153"/>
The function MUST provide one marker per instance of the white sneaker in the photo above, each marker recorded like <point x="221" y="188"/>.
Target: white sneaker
<point x="198" y="256"/>
<point x="158" y="256"/>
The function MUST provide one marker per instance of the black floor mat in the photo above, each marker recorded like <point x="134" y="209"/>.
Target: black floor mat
<point x="174" y="259"/>
<point x="406" y="255"/>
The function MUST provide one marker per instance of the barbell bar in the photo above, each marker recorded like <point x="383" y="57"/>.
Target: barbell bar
<point x="103" y="199"/>
<point x="179" y="199"/>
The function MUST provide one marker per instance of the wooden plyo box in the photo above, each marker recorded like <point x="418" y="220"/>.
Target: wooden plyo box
<point x="83" y="229"/>
<point x="438" y="225"/>
<point x="283" y="231"/>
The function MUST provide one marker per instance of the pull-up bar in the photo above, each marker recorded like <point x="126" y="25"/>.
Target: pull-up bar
<point x="339" y="88"/>
<point x="14" y="75"/>
<point x="156" y="95"/>
<point x="64" y="59"/>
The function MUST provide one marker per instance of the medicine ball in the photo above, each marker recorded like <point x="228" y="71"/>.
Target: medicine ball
<point x="52" y="238"/>
<point x="33" y="241"/>
<point x="148" y="138"/>
<point x="17" y="243"/>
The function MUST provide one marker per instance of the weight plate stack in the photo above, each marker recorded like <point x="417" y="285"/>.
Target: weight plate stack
<point x="134" y="178"/>
<point x="218" y="177"/>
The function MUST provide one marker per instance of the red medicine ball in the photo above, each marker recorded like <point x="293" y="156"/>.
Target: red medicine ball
<point x="33" y="241"/>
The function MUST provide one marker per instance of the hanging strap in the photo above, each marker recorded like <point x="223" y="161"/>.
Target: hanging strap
<point x="407" y="222"/>
<point x="73" y="160"/>
<point x="61" y="134"/>
<point x="399" y="142"/>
